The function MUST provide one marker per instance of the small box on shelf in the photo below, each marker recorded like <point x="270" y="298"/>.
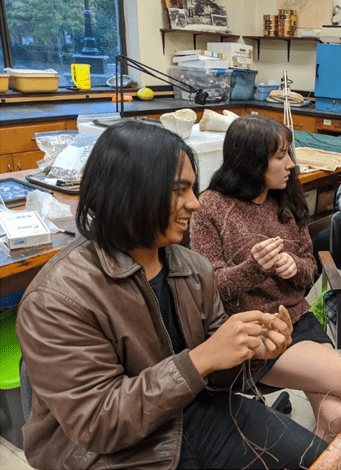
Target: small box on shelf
<point x="239" y="55"/>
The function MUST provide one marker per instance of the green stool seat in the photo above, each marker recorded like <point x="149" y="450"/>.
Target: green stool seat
<point x="11" y="413"/>
<point x="10" y="352"/>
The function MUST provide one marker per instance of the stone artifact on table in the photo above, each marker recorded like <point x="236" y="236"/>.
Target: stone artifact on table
<point x="180" y="122"/>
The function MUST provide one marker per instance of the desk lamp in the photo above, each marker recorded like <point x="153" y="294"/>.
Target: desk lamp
<point x="200" y="96"/>
<point x="288" y="117"/>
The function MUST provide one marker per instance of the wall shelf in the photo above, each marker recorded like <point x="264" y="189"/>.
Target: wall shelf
<point x="197" y="33"/>
<point x="279" y="38"/>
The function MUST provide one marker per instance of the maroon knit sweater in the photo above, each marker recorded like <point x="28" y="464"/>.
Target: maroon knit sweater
<point x="225" y="229"/>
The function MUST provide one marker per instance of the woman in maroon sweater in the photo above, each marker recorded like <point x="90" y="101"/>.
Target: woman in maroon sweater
<point x="252" y="226"/>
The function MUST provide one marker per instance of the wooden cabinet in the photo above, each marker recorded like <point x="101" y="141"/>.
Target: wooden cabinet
<point x="328" y="126"/>
<point x="301" y="122"/>
<point x="6" y="163"/>
<point x="240" y="110"/>
<point x="304" y="123"/>
<point x="278" y="115"/>
<point x="26" y="160"/>
<point x="18" y="147"/>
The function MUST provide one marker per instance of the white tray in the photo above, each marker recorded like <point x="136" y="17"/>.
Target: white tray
<point x="31" y="73"/>
<point x="299" y="105"/>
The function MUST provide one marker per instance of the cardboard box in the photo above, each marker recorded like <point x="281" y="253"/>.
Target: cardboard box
<point x="325" y="201"/>
<point x="24" y="229"/>
<point x="239" y="55"/>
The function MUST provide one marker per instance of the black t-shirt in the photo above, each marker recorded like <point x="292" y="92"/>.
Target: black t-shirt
<point x="165" y="298"/>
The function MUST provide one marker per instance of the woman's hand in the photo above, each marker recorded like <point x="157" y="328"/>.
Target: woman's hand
<point x="285" y="266"/>
<point x="276" y="339"/>
<point x="266" y="253"/>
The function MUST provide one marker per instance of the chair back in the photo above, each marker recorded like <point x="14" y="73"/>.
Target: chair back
<point x="25" y="390"/>
<point x="335" y="238"/>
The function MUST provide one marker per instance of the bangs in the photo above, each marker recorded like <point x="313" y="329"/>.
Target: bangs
<point x="280" y="136"/>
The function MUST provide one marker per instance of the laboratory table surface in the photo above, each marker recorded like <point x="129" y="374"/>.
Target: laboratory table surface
<point x="18" y="269"/>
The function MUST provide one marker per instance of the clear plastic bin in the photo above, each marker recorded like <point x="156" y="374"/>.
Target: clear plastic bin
<point x="243" y="84"/>
<point x="216" y="82"/>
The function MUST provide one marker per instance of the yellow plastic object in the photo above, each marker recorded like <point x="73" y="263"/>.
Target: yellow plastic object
<point x="4" y="83"/>
<point x="34" y="84"/>
<point x="80" y="74"/>
<point x="145" y="94"/>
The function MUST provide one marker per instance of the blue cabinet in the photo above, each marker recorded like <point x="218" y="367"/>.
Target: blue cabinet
<point x="328" y="77"/>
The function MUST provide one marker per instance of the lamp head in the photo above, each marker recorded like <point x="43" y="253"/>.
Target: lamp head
<point x="201" y="97"/>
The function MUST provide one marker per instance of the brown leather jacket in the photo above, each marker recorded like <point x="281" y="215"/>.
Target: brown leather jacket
<point x="108" y="391"/>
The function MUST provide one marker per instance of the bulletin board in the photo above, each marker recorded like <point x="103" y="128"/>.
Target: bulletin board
<point x="310" y="13"/>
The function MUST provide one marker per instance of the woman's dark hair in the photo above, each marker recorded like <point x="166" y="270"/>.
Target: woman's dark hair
<point x="249" y="143"/>
<point x="127" y="185"/>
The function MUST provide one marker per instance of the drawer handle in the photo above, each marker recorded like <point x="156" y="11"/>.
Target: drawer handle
<point x="337" y="125"/>
<point x="9" y="167"/>
<point x="33" y="139"/>
<point x="298" y="125"/>
<point x="19" y="166"/>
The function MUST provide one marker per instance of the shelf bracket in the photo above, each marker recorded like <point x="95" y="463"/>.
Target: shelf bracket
<point x="258" y="48"/>
<point x="195" y="34"/>
<point x="194" y="41"/>
<point x="163" y="40"/>
<point x="288" y="41"/>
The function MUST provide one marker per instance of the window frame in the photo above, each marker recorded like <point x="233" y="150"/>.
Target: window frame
<point x="6" y="43"/>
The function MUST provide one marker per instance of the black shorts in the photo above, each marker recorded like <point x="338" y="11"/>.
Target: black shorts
<point x="307" y="328"/>
<point x="215" y="430"/>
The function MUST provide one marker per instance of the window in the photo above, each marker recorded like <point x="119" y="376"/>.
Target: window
<point x="40" y="34"/>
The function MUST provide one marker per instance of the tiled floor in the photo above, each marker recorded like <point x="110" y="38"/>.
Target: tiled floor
<point x="12" y="458"/>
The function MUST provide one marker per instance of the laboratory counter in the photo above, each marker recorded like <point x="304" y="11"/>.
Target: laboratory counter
<point x="24" y="113"/>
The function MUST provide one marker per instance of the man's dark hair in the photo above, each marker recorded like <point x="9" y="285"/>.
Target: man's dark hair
<point x="127" y="185"/>
<point x="249" y="143"/>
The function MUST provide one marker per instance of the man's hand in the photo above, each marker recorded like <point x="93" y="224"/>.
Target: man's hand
<point x="234" y="342"/>
<point x="285" y="266"/>
<point x="266" y="253"/>
<point x="276" y="339"/>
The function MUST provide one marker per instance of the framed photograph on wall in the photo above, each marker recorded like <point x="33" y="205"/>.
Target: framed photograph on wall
<point x="206" y="15"/>
<point x="220" y="20"/>
<point x="177" y="18"/>
<point x="201" y="15"/>
<point x="170" y="4"/>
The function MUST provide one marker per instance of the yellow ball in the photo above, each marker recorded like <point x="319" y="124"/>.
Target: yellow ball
<point x="145" y="94"/>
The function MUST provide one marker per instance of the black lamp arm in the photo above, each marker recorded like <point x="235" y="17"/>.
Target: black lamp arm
<point x="200" y="97"/>
<point x="144" y="68"/>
